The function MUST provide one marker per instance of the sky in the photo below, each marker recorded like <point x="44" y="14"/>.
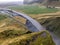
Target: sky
<point x="9" y="0"/>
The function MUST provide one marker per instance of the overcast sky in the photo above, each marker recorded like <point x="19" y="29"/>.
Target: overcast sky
<point x="9" y="0"/>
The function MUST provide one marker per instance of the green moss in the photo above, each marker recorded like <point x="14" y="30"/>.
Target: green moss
<point x="12" y="33"/>
<point x="36" y="38"/>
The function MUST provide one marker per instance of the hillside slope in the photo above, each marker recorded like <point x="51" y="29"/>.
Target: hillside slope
<point x="50" y="21"/>
<point x="14" y="33"/>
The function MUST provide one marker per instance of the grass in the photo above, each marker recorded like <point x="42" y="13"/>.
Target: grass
<point x="33" y="9"/>
<point x="2" y="17"/>
<point x="11" y="28"/>
<point x="21" y="36"/>
<point x="11" y="33"/>
<point x="34" y="39"/>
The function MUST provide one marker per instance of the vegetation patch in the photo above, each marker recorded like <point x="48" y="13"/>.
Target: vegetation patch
<point x="2" y="17"/>
<point x="33" y="9"/>
<point x="12" y="33"/>
<point x="34" y="39"/>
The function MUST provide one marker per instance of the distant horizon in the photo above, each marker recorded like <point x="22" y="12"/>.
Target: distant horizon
<point x="4" y="1"/>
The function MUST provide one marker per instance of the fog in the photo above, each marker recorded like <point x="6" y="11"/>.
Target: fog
<point x="9" y="0"/>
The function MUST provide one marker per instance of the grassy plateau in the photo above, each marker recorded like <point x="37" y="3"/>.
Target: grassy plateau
<point x="33" y="9"/>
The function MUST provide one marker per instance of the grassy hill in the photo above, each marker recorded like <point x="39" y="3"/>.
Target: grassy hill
<point x="34" y="39"/>
<point x="14" y="33"/>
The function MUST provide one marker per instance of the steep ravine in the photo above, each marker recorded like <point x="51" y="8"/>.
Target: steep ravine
<point x="56" y="39"/>
<point x="52" y="24"/>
